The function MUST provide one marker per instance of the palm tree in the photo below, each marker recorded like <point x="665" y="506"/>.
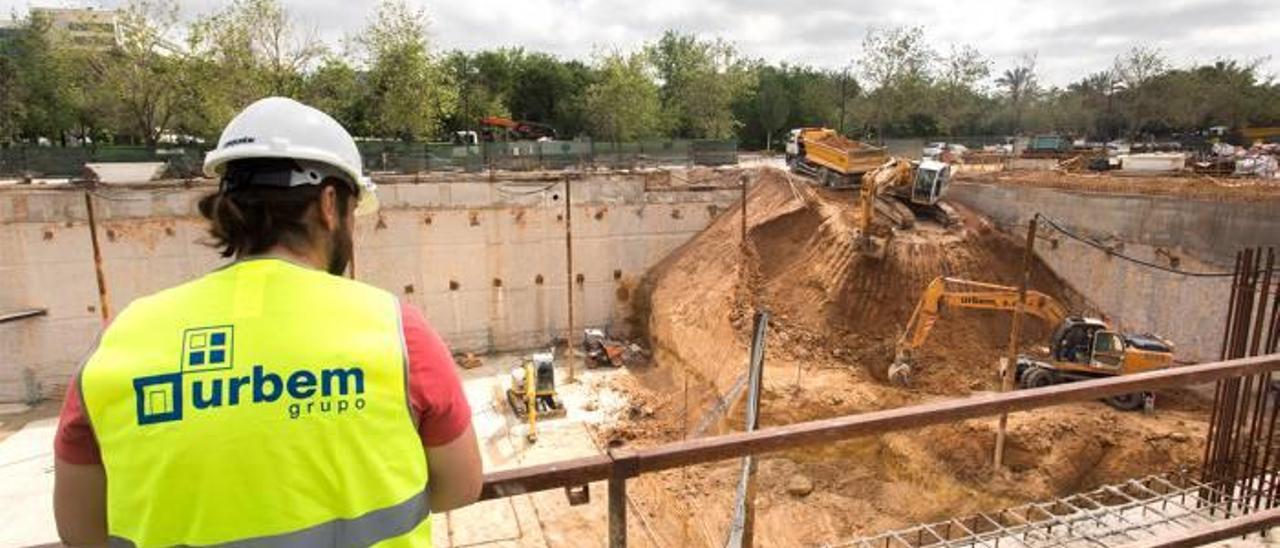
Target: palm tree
<point x="1020" y="81"/>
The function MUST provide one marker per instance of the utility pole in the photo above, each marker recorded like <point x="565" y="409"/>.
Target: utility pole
<point x="1008" y="372"/>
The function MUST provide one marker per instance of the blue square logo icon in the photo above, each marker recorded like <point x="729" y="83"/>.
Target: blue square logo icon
<point x="158" y="398"/>
<point x="207" y="348"/>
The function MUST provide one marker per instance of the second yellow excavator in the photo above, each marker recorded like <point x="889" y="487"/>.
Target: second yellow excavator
<point x="914" y="188"/>
<point x="1080" y="347"/>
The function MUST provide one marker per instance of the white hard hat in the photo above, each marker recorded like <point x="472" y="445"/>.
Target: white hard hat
<point x="278" y="127"/>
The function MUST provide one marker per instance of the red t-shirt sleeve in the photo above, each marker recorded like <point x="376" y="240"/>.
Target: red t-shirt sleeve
<point x="74" y="441"/>
<point x="435" y="392"/>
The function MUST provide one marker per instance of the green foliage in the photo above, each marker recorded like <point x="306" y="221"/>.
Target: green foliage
<point x="389" y="82"/>
<point x="409" y="91"/>
<point x="623" y="103"/>
<point x="699" y="81"/>
<point x="897" y="63"/>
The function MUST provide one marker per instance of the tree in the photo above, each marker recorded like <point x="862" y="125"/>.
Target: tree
<point x="1020" y="85"/>
<point x="336" y="88"/>
<point x="410" y="94"/>
<point x="623" y="104"/>
<point x="248" y="50"/>
<point x="149" y="88"/>
<point x="40" y="97"/>
<point x="699" y="81"/>
<point x="1137" y="69"/>
<point x="774" y="104"/>
<point x="962" y="69"/>
<point x="896" y="64"/>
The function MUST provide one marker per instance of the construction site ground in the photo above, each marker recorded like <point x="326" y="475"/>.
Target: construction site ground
<point x="835" y="318"/>
<point x="836" y="315"/>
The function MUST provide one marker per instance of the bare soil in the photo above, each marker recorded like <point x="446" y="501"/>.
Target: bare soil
<point x="1189" y="185"/>
<point x="836" y="315"/>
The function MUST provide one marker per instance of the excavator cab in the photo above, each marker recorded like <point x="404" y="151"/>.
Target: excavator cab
<point x="1108" y="350"/>
<point x="931" y="179"/>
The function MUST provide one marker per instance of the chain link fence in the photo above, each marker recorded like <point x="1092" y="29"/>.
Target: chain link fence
<point x="398" y="156"/>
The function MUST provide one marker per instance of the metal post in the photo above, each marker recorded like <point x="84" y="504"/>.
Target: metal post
<point x="104" y="300"/>
<point x="568" y="276"/>
<point x="624" y="466"/>
<point x="1011" y="368"/>
<point x="742" y="528"/>
<point x="617" y="512"/>
<point x="744" y="215"/>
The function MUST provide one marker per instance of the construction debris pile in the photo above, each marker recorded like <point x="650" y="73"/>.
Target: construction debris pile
<point x="1259" y="160"/>
<point x="602" y="351"/>
<point x="836" y="316"/>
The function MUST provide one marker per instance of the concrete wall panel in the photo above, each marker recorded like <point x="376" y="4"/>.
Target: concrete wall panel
<point x="1204" y="235"/>
<point x="492" y="239"/>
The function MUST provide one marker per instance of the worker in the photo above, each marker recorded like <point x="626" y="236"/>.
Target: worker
<point x="271" y="402"/>
<point x="1075" y="345"/>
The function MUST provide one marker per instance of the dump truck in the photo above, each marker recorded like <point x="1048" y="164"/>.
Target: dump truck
<point x="830" y="158"/>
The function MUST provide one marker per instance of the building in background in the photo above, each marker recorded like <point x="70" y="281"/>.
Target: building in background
<point x="87" y="28"/>
<point x="9" y="28"/>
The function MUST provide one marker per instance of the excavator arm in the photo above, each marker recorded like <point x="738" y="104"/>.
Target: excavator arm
<point x="893" y="173"/>
<point x="952" y="292"/>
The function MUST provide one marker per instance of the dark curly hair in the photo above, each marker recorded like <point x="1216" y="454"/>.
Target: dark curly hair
<point x="251" y="219"/>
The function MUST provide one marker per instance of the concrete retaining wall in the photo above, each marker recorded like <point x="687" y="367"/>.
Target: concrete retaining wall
<point x="1204" y="236"/>
<point x="484" y="260"/>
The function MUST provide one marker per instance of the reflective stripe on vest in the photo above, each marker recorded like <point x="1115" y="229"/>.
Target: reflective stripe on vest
<point x="264" y="404"/>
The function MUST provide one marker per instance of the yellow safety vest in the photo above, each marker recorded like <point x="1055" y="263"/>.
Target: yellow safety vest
<point x="264" y="404"/>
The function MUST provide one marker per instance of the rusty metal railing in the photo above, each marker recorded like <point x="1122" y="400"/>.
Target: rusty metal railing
<point x="621" y="464"/>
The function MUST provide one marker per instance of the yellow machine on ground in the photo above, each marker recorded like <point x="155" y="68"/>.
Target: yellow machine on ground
<point x="1080" y="348"/>
<point x="532" y="392"/>
<point x="916" y="188"/>
<point x="831" y="158"/>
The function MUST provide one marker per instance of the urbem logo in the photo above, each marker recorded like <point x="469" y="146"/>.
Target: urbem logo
<point x="205" y="383"/>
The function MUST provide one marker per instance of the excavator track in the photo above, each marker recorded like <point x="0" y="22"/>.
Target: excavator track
<point x="894" y="210"/>
<point x="943" y="214"/>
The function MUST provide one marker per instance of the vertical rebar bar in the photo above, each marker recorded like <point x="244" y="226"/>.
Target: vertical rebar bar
<point x="104" y="298"/>
<point x="568" y="278"/>
<point x="1015" y="332"/>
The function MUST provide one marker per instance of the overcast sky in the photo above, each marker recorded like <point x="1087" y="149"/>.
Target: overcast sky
<point x="1069" y="37"/>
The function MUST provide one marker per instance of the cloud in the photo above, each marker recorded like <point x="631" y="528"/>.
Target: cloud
<point x="1070" y="39"/>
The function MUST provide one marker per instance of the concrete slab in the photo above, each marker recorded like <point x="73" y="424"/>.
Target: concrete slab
<point x="26" y="486"/>
<point x="541" y="519"/>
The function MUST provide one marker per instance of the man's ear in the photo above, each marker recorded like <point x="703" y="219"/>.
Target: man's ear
<point x="329" y="214"/>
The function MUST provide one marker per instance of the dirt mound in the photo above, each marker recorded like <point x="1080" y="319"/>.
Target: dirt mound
<point x="839" y="141"/>
<point x="836" y="316"/>
<point x="801" y="263"/>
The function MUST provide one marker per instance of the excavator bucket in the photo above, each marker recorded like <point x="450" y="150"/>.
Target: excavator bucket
<point x="900" y="371"/>
<point x="872" y="247"/>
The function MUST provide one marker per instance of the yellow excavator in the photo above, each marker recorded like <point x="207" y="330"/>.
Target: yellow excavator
<point x="1080" y="347"/>
<point x="915" y="188"/>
